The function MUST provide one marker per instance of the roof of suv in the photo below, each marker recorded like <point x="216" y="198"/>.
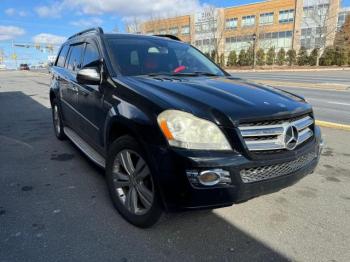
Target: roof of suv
<point x="99" y="31"/>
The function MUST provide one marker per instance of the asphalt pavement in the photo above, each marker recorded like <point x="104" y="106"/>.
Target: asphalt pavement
<point x="329" y="105"/>
<point x="54" y="204"/>
<point x="323" y="76"/>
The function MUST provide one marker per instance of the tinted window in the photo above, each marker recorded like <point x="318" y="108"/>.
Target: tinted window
<point x="91" y="55"/>
<point x="135" y="56"/>
<point x="74" y="62"/>
<point x="62" y="56"/>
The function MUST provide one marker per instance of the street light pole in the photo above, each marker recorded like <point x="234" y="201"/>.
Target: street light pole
<point x="254" y="53"/>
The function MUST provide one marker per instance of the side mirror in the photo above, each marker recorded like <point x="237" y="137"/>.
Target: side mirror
<point x="89" y="76"/>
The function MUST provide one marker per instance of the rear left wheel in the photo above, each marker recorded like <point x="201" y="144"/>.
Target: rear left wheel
<point x="57" y="120"/>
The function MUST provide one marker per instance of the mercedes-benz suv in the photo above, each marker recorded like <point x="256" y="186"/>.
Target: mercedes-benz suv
<point x="173" y="130"/>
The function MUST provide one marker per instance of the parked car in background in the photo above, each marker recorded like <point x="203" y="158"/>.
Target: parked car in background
<point x="173" y="130"/>
<point x="23" y="67"/>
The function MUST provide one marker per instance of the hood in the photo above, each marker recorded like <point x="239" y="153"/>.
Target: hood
<point x="213" y="97"/>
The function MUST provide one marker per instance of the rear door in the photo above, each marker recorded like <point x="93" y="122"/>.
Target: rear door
<point x="69" y="87"/>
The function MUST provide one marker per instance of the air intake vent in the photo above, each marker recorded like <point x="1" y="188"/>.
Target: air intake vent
<point x="260" y="173"/>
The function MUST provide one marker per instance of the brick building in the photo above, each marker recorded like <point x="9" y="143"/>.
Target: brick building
<point x="287" y="24"/>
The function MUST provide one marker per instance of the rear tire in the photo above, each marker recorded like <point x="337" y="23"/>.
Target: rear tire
<point x="131" y="184"/>
<point x="57" y="120"/>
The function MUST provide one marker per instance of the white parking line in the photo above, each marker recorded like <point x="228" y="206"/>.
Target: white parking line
<point x="329" y="102"/>
<point x="339" y="103"/>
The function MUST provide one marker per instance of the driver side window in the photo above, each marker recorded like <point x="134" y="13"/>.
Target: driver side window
<point x="91" y="56"/>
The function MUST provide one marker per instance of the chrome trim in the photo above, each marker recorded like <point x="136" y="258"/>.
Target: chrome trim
<point x="272" y="137"/>
<point x="263" y="131"/>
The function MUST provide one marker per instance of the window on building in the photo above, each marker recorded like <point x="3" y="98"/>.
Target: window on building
<point x="185" y="30"/>
<point x="266" y="19"/>
<point x="174" y="30"/>
<point x="231" y="23"/>
<point x="248" y="20"/>
<point x="286" y="16"/>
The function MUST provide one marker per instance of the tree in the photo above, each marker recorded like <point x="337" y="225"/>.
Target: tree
<point x="349" y="58"/>
<point x="242" y="58"/>
<point x="313" y="57"/>
<point x="216" y="29"/>
<point x="250" y="56"/>
<point x="340" y="56"/>
<point x="281" y="57"/>
<point x="222" y="60"/>
<point x="291" y="57"/>
<point x="260" y="57"/>
<point x="323" y="21"/>
<point x="232" y="58"/>
<point x="270" y="56"/>
<point x="328" y="56"/>
<point x="303" y="58"/>
<point x="213" y="55"/>
<point x="342" y="38"/>
<point x="132" y="25"/>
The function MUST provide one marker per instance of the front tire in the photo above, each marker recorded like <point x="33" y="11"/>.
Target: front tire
<point x="131" y="184"/>
<point x="57" y="120"/>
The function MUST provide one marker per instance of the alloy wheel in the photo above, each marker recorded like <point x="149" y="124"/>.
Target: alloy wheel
<point x="133" y="182"/>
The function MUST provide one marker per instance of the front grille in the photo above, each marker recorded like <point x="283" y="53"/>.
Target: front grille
<point x="271" y="135"/>
<point x="261" y="173"/>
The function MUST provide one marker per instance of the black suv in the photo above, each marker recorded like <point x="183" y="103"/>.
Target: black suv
<point x="173" y="130"/>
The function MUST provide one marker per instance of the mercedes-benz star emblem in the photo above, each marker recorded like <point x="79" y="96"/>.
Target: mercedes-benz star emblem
<point x="291" y="137"/>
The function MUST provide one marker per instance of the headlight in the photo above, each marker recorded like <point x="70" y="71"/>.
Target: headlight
<point x="187" y="131"/>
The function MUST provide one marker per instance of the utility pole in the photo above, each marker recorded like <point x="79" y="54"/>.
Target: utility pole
<point x="1" y="56"/>
<point x="254" y="51"/>
<point x="14" y="55"/>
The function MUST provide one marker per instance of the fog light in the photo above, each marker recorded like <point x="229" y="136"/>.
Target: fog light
<point x="209" y="177"/>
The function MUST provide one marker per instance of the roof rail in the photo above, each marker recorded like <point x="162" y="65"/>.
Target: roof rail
<point x="169" y="36"/>
<point x="94" y="29"/>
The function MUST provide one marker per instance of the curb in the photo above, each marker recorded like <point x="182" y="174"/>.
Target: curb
<point x="333" y="125"/>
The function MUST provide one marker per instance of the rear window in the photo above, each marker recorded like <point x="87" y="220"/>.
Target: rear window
<point x="62" y="56"/>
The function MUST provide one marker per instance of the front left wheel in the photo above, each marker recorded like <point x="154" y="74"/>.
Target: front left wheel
<point x="131" y="184"/>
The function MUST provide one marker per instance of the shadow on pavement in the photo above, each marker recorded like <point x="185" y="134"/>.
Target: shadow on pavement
<point x="54" y="206"/>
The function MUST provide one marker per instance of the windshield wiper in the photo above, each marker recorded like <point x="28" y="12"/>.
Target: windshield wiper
<point x="197" y="73"/>
<point x="159" y="74"/>
<point x="205" y="73"/>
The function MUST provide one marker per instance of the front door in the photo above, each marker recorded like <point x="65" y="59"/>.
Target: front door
<point x="91" y="98"/>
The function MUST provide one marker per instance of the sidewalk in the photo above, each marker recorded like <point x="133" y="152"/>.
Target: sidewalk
<point x="287" y="69"/>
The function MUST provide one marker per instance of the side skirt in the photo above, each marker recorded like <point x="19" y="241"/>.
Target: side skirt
<point x="85" y="147"/>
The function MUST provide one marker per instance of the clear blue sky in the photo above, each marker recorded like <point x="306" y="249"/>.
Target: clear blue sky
<point x="52" y="20"/>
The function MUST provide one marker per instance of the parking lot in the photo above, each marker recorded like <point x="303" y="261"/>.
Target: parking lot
<point x="54" y="204"/>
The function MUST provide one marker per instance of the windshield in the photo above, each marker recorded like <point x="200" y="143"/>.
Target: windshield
<point x="152" y="56"/>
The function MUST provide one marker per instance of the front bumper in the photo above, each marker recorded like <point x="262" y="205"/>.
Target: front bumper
<point x="178" y="193"/>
